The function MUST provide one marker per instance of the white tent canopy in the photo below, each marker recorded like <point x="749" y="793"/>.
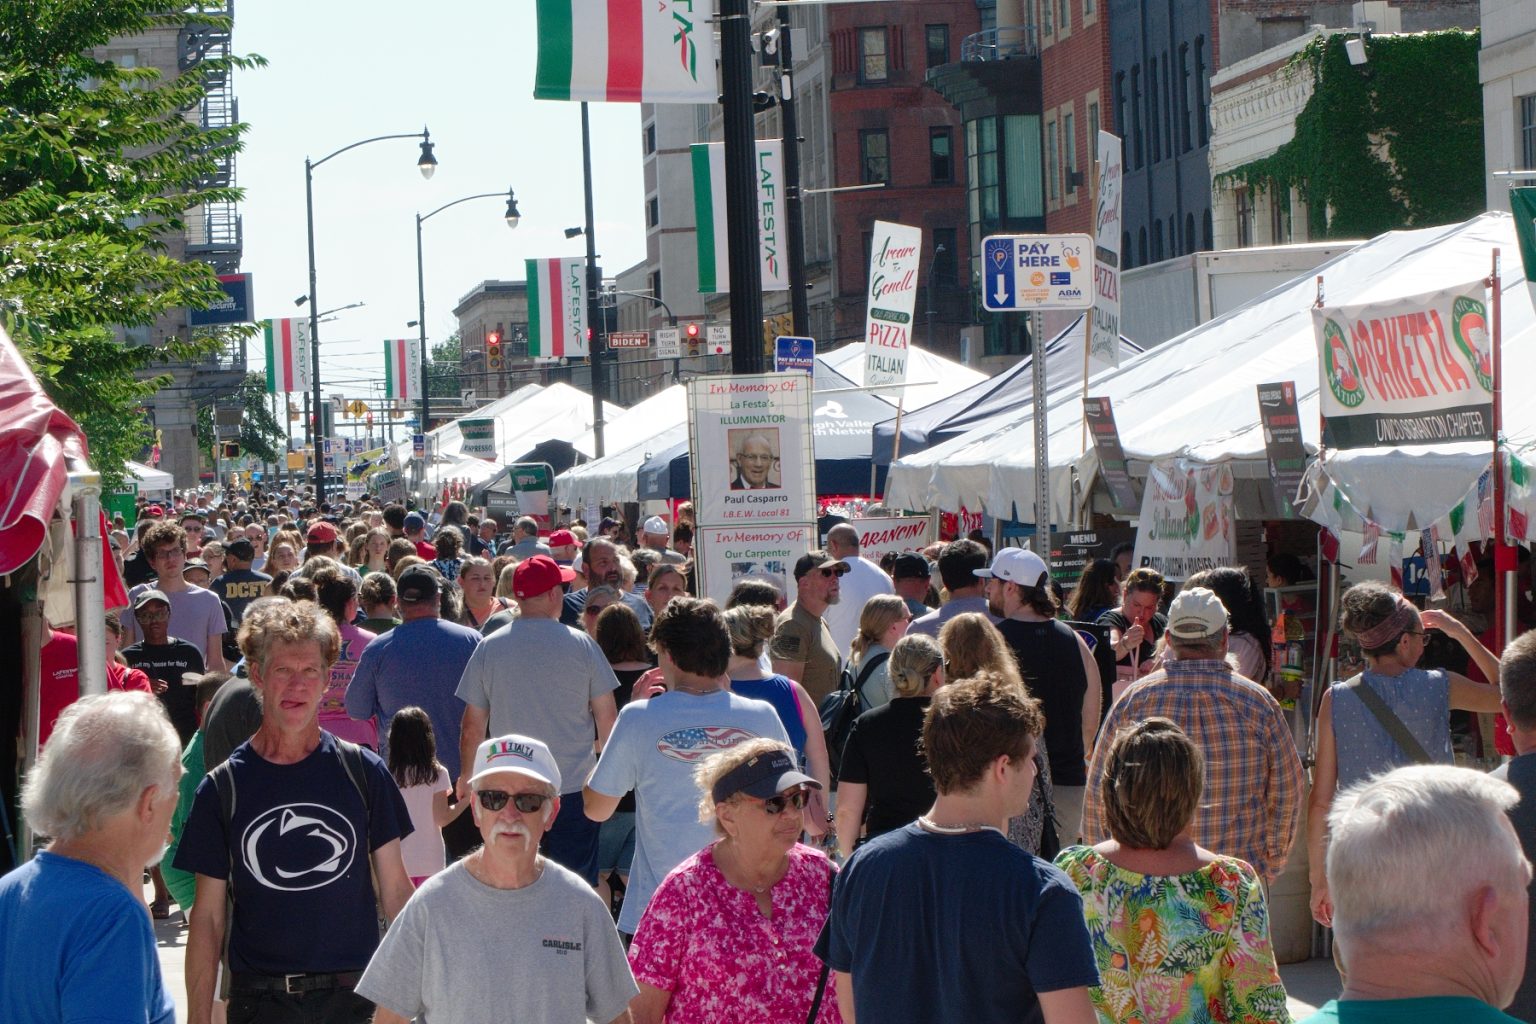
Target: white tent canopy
<point x="1195" y="395"/>
<point x="447" y="439"/>
<point x="931" y="377"/>
<point x="652" y="426"/>
<point x="152" y="481"/>
<point x="646" y="418"/>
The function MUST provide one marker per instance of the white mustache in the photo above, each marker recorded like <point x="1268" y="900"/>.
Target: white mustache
<point x="510" y="829"/>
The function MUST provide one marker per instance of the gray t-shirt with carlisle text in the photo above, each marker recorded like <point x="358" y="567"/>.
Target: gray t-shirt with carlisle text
<point x="464" y="951"/>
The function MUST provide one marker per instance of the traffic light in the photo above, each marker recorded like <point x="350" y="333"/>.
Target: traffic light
<point x="231" y="450"/>
<point x="493" y="350"/>
<point x="693" y="339"/>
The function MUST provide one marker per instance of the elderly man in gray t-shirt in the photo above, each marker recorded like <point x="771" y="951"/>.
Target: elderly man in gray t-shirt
<point x="546" y="680"/>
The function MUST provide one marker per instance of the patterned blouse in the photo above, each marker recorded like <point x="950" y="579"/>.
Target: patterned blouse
<point x="1178" y="948"/>
<point x="706" y="942"/>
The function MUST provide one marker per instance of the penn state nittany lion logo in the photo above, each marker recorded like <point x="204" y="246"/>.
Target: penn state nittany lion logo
<point x="297" y="847"/>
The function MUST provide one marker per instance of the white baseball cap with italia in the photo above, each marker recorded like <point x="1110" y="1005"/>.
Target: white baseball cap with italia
<point x="521" y="755"/>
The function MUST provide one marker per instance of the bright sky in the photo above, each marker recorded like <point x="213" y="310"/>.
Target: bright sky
<point x="340" y="71"/>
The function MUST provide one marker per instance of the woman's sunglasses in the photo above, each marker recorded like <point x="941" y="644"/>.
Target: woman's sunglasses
<point x="775" y="805"/>
<point x="494" y="800"/>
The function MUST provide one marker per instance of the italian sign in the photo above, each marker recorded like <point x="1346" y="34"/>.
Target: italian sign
<point x="883" y="534"/>
<point x="893" y="259"/>
<point x="766" y="552"/>
<point x="1409" y="371"/>
<point x="479" y="439"/>
<point x="1100" y="415"/>
<point x="1187" y="522"/>
<point x="1104" y="343"/>
<point x="751" y="462"/>
<point x="1023" y="272"/>
<point x="1282" y="442"/>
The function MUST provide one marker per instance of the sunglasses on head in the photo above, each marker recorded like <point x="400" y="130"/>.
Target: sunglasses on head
<point x="495" y="799"/>
<point x="775" y="805"/>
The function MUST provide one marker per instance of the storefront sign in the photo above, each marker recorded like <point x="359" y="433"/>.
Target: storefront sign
<point x="1410" y="371"/>
<point x="1100" y="415"/>
<point x="1072" y="551"/>
<point x="1282" y="442"/>
<point x="1187" y="522"/>
<point x="885" y="534"/>
<point x="893" y="260"/>
<point x="233" y="308"/>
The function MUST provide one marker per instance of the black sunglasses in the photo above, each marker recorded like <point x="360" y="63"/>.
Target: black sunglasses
<point x="830" y="572"/>
<point x="495" y="799"/>
<point x="774" y="805"/>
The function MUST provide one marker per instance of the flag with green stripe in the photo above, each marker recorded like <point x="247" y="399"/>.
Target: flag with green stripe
<point x="557" y="308"/>
<point x="626" y="51"/>
<point x="709" y="215"/>
<point x="402" y="369"/>
<point x="287" y="349"/>
<point x="1522" y="203"/>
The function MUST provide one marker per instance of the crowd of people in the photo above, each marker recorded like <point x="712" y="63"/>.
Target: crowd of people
<point x="670" y="819"/>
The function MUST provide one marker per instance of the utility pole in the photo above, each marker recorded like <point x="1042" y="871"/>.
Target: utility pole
<point x="595" y="324"/>
<point x="793" y="205"/>
<point x="742" y="240"/>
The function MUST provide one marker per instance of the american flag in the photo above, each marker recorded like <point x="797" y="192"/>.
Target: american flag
<point x="1485" y="504"/>
<point x="695" y="744"/>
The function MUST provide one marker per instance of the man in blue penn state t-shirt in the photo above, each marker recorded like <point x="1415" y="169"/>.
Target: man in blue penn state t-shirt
<point x="945" y="919"/>
<point x="295" y="832"/>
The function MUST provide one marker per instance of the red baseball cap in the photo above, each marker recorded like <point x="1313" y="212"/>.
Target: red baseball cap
<point x="561" y="538"/>
<point x="538" y="575"/>
<point x="155" y="511"/>
<point x="321" y="533"/>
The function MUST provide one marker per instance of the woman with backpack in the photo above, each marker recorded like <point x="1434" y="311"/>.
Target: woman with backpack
<point x="883" y="621"/>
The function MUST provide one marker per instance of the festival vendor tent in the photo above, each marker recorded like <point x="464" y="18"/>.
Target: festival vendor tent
<point x="842" y="418"/>
<point x="449" y="437"/>
<point x="930" y="377"/>
<point x="988" y="403"/>
<point x="153" y="483"/>
<point x="651" y="426"/>
<point x="1195" y="396"/>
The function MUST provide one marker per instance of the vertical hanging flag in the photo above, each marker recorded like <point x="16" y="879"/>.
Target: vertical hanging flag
<point x="287" y="341"/>
<point x="557" y="308"/>
<point x="1429" y="545"/>
<point x="402" y="369"/>
<point x="892" y="296"/>
<point x="1522" y="203"/>
<point x="709" y="215"/>
<point x="626" y="51"/>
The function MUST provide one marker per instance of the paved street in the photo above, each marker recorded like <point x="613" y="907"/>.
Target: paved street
<point x="1308" y="985"/>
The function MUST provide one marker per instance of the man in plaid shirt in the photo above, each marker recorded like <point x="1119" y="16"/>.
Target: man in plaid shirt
<point x="1253" y="777"/>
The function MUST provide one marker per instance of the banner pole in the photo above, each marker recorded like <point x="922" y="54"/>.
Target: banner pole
<point x="1503" y="554"/>
<point x="1093" y="211"/>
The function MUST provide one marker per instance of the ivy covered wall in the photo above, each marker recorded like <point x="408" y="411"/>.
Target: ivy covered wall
<point x="1394" y="143"/>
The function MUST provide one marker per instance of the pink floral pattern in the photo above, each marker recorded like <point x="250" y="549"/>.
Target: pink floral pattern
<point x="706" y="942"/>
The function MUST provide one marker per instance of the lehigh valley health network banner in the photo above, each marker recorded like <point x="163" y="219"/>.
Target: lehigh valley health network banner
<point x="1415" y="370"/>
<point x="753" y="470"/>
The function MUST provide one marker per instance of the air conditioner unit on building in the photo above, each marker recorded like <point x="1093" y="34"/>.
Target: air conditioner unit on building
<point x="971" y="344"/>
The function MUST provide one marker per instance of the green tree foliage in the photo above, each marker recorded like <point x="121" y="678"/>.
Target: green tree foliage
<point x="261" y="434"/>
<point x="443" y="368"/>
<point x="97" y="165"/>
<point x="1393" y="143"/>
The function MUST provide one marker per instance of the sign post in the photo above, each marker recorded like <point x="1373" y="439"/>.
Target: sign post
<point x="1030" y="273"/>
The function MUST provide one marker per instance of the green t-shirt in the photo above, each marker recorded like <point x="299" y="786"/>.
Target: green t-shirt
<point x="183" y="884"/>
<point x="1424" y="1010"/>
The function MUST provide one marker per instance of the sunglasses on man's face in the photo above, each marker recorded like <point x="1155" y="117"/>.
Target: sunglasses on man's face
<point x="829" y="573"/>
<point x="775" y="805"/>
<point x="494" y="800"/>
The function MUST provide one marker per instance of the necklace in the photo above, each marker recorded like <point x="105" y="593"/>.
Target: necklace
<point x="929" y="825"/>
<point x="680" y="688"/>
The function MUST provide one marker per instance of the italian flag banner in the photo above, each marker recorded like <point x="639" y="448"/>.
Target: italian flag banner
<point x="402" y="369"/>
<point x="626" y="51"/>
<point x="287" y="342"/>
<point x="709" y="214"/>
<point x="557" y="308"/>
<point x="1522" y="203"/>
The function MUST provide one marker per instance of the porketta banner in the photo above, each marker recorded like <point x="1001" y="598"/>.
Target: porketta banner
<point x="1409" y="371"/>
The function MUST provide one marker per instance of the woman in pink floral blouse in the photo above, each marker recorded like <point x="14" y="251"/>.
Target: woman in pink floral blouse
<point x="727" y="938"/>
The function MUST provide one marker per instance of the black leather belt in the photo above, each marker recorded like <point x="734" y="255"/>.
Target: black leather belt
<point x="293" y="984"/>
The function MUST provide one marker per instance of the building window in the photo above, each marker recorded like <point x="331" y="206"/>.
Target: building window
<point x="1048" y="17"/>
<point x="1094" y="125"/>
<point x="1153" y="114"/>
<point x="1183" y="113"/>
<point x="983" y="179"/>
<point x="1120" y="104"/>
<point x="1157" y="241"/>
<point x="1136" y="113"/>
<point x="1141" y="247"/>
<point x="874" y="156"/>
<point x="655" y="285"/>
<point x="1207" y="236"/>
<point x="1052" y="161"/>
<point x="874" y="56"/>
<point x="1023" y="192"/>
<point x="1528" y="132"/>
<point x="1189" y="232"/>
<point x="941" y="156"/>
<point x="652" y="212"/>
<point x="1089" y="7"/>
<point x="1279" y="214"/>
<point x="1244" y="218"/>
<point x="937" y="37"/>
<point x="1065" y="13"/>
<point x="650" y="139"/>
<point x="1069" y="141"/>
<point x="1168" y="107"/>
<point x="1200" y="86"/>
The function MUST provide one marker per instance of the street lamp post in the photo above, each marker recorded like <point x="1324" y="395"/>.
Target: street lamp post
<point x="426" y="163"/>
<point x="512" y="217"/>
<point x="933" y="265"/>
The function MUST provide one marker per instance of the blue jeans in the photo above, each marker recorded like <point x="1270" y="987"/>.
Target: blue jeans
<point x="572" y="838"/>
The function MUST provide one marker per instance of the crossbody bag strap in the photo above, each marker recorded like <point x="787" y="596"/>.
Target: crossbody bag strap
<point x="1388" y="720"/>
<point x="821" y="983"/>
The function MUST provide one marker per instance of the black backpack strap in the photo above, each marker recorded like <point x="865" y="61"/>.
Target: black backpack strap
<point x="357" y="770"/>
<point x="821" y="983"/>
<point x="864" y="674"/>
<point x="1388" y="720"/>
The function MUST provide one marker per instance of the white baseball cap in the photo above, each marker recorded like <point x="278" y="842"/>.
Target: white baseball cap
<point x="1196" y="614"/>
<point x="522" y="755"/>
<point x="655" y="524"/>
<point x="1017" y="565"/>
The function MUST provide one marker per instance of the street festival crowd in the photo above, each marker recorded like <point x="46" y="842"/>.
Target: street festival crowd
<point x="904" y="791"/>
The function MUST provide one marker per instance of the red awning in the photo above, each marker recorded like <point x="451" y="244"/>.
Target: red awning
<point x="36" y="439"/>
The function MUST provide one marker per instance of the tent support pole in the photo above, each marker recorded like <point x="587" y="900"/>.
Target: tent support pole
<point x="1042" y="546"/>
<point x="1504" y="564"/>
<point x="901" y="397"/>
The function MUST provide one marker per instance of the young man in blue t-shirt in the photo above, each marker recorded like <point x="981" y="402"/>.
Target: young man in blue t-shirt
<point x="945" y="919"/>
<point x="297" y="831"/>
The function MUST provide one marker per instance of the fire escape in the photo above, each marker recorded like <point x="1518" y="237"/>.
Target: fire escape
<point x="213" y="229"/>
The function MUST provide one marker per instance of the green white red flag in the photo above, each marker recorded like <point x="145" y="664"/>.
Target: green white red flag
<point x="626" y="51"/>
<point x="1522" y="203"/>
<point x="709" y="213"/>
<point x="287" y="341"/>
<point x="402" y="369"/>
<point x="557" y="308"/>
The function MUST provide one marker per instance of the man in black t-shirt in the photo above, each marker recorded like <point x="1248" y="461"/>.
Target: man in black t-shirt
<point x="240" y="584"/>
<point x="1057" y="667"/>
<point x="165" y="659"/>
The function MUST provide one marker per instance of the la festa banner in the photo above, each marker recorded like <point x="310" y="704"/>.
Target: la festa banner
<point x="1409" y="371"/>
<point x="893" y="259"/>
<point x="1187" y="521"/>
